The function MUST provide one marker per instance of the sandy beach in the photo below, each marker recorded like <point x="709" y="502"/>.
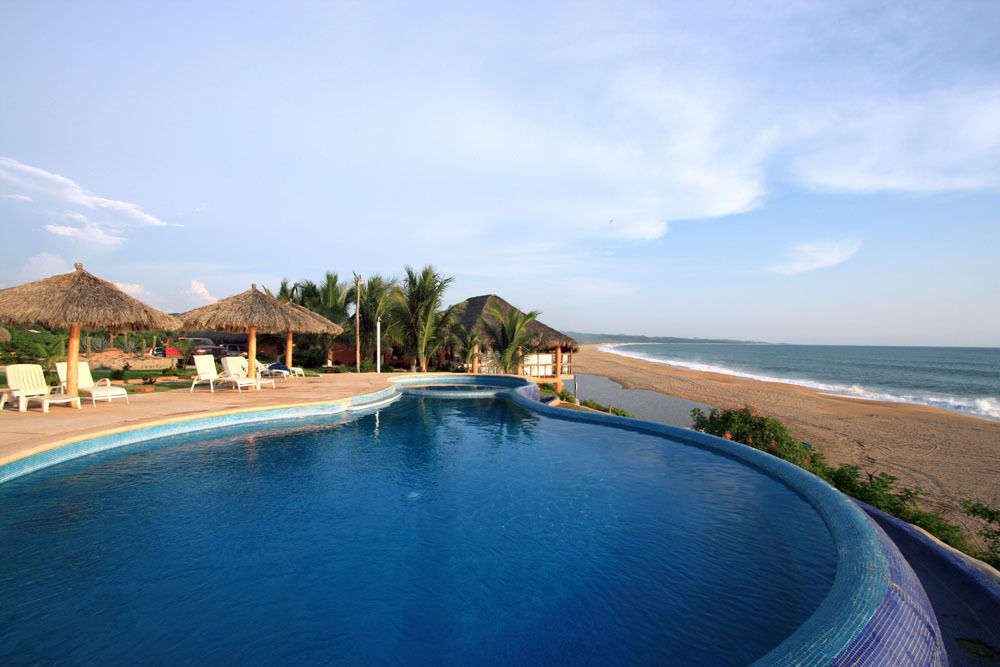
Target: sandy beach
<point x="947" y="455"/>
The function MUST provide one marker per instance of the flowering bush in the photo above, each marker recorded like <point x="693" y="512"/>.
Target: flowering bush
<point x="767" y="434"/>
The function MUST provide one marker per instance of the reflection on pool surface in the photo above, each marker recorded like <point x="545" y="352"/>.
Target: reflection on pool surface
<point x="472" y="531"/>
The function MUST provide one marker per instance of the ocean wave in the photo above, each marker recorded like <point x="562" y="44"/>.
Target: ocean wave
<point x="987" y="406"/>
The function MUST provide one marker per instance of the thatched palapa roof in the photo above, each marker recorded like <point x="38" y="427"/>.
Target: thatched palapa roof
<point x="328" y="326"/>
<point x="252" y="309"/>
<point x="475" y="310"/>
<point x="79" y="298"/>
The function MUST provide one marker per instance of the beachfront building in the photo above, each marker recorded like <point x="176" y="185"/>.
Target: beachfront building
<point x="551" y="362"/>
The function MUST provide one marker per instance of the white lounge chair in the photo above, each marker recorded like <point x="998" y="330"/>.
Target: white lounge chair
<point x="205" y="365"/>
<point x="239" y="367"/>
<point x="27" y="384"/>
<point x="97" y="391"/>
<point x="207" y="372"/>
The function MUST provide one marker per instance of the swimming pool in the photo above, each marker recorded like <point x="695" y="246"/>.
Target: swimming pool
<point x="467" y="530"/>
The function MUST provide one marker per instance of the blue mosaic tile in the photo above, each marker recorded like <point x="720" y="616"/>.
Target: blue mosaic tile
<point x="904" y="629"/>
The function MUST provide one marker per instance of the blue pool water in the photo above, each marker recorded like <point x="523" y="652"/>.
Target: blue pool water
<point x="464" y="531"/>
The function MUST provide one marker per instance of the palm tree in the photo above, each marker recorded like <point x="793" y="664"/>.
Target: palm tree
<point x="330" y="299"/>
<point x="284" y="291"/>
<point x="306" y="294"/>
<point x="377" y="299"/>
<point x="424" y="326"/>
<point x="507" y="336"/>
<point x="334" y="297"/>
<point x="468" y="344"/>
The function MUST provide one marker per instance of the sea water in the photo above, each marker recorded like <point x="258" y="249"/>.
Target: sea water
<point x="963" y="379"/>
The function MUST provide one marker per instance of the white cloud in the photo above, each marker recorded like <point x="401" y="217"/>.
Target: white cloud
<point x="88" y="231"/>
<point x="43" y="265"/>
<point x="200" y="292"/>
<point x="135" y="289"/>
<point x="50" y="191"/>
<point x="818" y="255"/>
<point x="928" y="142"/>
<point x="59" y="187"/>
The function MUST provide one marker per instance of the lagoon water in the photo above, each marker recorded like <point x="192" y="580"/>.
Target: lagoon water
<point x="963" y="379"/>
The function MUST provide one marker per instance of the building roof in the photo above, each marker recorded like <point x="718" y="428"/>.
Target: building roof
<point x="475" y="310"/>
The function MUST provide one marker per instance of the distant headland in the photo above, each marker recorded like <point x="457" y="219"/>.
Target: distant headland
<point x="592" y="338"/>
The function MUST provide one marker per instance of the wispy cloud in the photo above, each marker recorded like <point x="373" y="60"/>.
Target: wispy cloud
<point x="87" y="231"/>
<point x="100" y="220"/>
<point x="34" y="179"/>
<point x="930" y="142"/>
<point x="200" y="292"/>
<point x="818" y="255"/>
<point x="135" y="289"/>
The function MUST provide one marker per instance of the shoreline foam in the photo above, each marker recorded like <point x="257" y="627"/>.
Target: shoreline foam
<point x="980" y="408"/>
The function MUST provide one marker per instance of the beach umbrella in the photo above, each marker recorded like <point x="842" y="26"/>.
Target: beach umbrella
<point x="325" y="326"/>
<point x="251" y="311"/>
<point x="78" y="300"/>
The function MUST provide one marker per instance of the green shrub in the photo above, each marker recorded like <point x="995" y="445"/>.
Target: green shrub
<point x="594" y="405"/>
<point x="312" y="357"/>
<point x="117" y="374"/>
<point x="990" y="530"/>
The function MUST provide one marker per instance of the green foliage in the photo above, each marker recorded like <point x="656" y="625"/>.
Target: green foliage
<point x="185" y="347"/>
<point x="467" y="343"/>
<point x="878" y="490"/>
<point x="118" y="374"/>
<point x="549" y="389"/>
<point x="95" y="343"/>
<point x="425" y="327"/>
<point x="506" y="334"/>
<point x="312" y="357"/>
<point x="594" y="405"/>
<point x="34" y="347"/>
<point x="990" y="531"/>
<point x="764" y="433"/>
<point x="376" y="303"/>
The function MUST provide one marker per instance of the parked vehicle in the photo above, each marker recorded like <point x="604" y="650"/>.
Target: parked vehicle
<point x="235" y="349"/>
<point x="201" y="346"/>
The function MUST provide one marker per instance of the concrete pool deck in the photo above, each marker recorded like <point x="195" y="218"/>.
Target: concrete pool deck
<point x="25" y="433"/>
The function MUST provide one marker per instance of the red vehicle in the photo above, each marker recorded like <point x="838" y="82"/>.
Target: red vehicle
<point x="201" y="346"/>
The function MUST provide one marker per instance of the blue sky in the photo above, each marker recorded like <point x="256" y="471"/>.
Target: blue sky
<point x="790" y="171"/>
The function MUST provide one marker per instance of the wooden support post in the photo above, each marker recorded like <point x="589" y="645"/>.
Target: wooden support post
<point x="475" y="358"/>
<point x="288" y="350"/>
<point x="520" y="362"/>
<point x="73" y="361"/>
<point x="252" y="352"/>
<point x="558" y="368"/>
